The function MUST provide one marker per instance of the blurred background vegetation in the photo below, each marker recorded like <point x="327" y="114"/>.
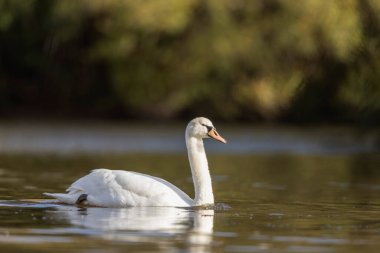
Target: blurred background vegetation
<point x="308" y="61"/>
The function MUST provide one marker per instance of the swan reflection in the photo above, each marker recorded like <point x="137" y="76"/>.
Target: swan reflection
<point x="144" y="224"/>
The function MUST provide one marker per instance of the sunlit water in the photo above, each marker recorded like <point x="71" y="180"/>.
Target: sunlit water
<point x="315" y="196"/>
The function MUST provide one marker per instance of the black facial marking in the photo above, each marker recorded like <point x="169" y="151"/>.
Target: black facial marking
<point x="209" y="128"/>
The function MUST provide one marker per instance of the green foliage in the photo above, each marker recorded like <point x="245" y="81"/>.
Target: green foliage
<point x="232" y="59"/>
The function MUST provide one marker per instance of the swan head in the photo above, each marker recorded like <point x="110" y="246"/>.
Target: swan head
<point x="203" y="128"/>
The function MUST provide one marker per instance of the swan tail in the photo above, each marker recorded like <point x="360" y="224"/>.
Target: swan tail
<point x="64" y="197"/>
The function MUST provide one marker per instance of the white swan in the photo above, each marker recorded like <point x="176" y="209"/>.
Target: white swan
<point x="118" y="188"/>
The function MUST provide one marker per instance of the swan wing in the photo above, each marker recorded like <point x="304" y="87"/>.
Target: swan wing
<point x="118" y="188"/>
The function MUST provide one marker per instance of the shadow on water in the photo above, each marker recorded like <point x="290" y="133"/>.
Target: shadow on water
<point x="321" y="195"/>
<point x="135" y="225"/>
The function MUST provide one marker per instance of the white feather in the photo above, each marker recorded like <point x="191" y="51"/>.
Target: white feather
<point x="118" y="188"/>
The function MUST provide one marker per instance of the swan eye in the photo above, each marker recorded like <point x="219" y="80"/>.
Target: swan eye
<point x="209" y="128"/>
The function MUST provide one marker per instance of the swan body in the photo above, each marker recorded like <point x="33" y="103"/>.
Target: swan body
<point x="118" y="188"/>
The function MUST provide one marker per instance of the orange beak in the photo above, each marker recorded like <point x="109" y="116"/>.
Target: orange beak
<point x="214" y="134"/>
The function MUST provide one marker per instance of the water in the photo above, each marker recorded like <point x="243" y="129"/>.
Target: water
<point x="322" y="196"/>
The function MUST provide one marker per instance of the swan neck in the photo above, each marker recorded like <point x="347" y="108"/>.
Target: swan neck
<point x="200" y="172"/>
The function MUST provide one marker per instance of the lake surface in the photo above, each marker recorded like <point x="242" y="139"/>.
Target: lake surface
<point x="278" y="190"/>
